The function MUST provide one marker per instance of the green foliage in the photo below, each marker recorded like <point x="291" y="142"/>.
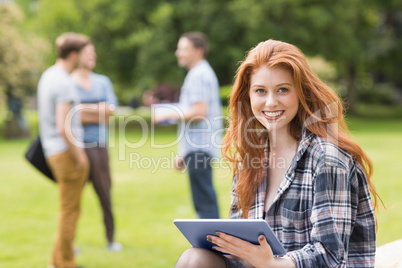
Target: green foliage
<point x="380" y="94"/>
<point x="386" y="47"/>
<point x="224" y="93"/>
<point x="136" y="39"/>
<point x="21" y="54"/>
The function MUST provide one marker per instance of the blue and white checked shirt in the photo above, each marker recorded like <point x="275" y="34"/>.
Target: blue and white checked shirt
<point x="201" y="85"/>
<point x="322" y="213"/>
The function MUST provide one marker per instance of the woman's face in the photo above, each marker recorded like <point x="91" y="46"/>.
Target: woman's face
<point x="88" y="57"/>
<point x="273" y="98"/>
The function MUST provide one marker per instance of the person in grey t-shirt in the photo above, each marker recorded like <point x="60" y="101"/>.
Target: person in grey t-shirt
<point x="60" y="130"/>
<point x="200" y="126"/>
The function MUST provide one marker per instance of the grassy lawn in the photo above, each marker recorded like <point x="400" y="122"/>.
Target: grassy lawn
<point x="147" y="200"/>
<point x="381" y="139"/>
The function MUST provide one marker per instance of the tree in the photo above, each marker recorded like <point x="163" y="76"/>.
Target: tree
<point x="20" y="64"/>
<point x="339" y="31"/>
<point x="385" y="50"/>
<point x="136" y="39"/>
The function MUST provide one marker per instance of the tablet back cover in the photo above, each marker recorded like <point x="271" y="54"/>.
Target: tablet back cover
<point x="196" y="231"/>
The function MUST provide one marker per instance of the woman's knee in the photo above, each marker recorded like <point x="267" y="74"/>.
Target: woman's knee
<point x="198" y="257"/>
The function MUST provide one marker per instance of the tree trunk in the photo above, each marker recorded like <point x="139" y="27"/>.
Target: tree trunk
<point x="15" y="125"/>
<point x="351" y="94"/>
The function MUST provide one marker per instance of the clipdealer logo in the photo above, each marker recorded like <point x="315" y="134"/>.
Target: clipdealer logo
<point x="117" y="138"/>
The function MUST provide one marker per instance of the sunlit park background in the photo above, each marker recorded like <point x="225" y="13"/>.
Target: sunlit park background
<point x="353" y="45"/>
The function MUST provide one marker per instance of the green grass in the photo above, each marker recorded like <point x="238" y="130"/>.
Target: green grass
<point x="382" y="140"/>
<point x="146" y="201"/>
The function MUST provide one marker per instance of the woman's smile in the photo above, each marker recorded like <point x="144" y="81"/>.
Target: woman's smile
<point x="272" y="116"/>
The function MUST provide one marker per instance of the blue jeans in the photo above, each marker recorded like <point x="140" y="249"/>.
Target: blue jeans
<point x="200" y="173"/>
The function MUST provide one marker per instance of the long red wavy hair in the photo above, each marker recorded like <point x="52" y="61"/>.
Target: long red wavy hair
<point x="320" y="111"/>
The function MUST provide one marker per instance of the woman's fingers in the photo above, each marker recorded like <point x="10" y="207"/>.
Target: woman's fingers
<point x="265" y="247"/>
<point x="241" y="249"/>
<point x="229" y="244"/>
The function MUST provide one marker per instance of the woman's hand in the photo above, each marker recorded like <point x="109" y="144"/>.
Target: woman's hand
<point x="248" y="254"/>
<point x="243" y="251"/>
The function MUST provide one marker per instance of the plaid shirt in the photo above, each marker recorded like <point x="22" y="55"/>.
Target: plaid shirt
<point x="322" y="213"/>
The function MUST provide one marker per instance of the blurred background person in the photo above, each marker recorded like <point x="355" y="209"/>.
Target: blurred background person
<point x="60" y="134"/>
<point x="202" y="122"/>
<point x="98" y="102"/>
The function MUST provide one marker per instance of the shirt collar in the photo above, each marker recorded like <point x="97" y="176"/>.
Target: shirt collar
<point x="304" y="143"/>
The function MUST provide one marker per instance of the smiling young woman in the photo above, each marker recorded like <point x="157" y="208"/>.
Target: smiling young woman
<point x="317" y="200"/>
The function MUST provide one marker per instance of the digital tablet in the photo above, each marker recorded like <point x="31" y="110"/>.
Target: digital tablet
<point x="196" y="231"/>
<point x="170" y="109"/>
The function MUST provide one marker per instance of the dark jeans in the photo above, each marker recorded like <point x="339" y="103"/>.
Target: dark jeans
<point x="99" y="175"/>
<point x="200" y="173"/>
<point x="233" y="263"/>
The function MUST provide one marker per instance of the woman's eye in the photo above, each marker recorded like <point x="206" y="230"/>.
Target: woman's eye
<point x="283" y="89"/>
<point x="260" y="90"/>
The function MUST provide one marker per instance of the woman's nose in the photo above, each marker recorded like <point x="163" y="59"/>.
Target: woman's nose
<point x="271" y="100"/>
